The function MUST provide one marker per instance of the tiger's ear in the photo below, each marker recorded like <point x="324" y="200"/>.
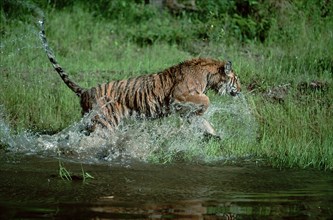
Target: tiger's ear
<point x="227" y="68"/>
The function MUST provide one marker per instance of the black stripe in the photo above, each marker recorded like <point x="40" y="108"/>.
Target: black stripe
<point x="160" y="98"/>
<point x="143" y="97"/>
<point x="105" y="89"/>
<point x="116" y="86"/>
<point x="147" y="104"/>
<point x="60" y="70"/>
<point x="150" y="95"/>
<point x="52" y="60"/>
<point x="143" y="91"/>
<point x="153" y="79"/>
<point x="156" y="98"/>
<point x="127" y="84"/>
<point x="116" y="118"/>
<point x="121" y="110"/>
<point x="111" y="114"/>
<point x="109" y="111"/>
<point x="161" y="79"/>
<point x="134" y="86"/>
<point x="159" y="103"/>
<point x="135" y="103"/>
<point x="127" y="94"/>
<point x="138" y="96"/>
<point x="134" y="93"/>
<point x="113" y="89"/>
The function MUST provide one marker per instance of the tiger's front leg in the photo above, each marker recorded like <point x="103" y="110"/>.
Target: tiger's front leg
<point x="189" y="105"/>
<point x="192" y="106"/>
<point x="203" y="125"/>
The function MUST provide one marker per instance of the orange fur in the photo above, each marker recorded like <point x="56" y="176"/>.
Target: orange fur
<point x="180" y="88"/>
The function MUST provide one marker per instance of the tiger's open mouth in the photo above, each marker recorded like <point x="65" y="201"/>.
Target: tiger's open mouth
<point x="224" y="89"/>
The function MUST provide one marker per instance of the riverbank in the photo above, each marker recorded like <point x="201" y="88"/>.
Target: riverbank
<point x="285" y="70"/>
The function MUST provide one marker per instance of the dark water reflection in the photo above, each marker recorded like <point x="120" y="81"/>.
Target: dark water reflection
<point x="30" y="188"/>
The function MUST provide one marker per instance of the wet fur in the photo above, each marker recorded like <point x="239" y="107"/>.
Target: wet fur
<point x="180" y="88"/>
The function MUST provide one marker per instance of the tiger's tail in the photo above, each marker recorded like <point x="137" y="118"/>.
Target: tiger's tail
<point x="62" y="73"/>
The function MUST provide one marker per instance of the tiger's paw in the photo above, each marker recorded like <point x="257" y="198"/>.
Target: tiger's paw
<point x="210" y="136"/>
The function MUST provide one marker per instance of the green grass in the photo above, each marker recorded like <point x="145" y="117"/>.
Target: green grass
<point x="296" y="133"/>
<point x="293" y="133"/>
<point x="66" y="175"/>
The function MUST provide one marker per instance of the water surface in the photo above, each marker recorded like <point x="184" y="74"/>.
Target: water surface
<point x="126" y="186"/>
<point x="30" y="187"/>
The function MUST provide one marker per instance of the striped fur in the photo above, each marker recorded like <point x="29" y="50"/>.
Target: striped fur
<point x="180" y="88"/>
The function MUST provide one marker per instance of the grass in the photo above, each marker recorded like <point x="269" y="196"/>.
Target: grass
<point x="293" y="132"/>
<point x="64" y="174"/>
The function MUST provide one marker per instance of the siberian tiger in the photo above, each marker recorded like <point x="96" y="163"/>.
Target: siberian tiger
<point x="180" y="88"/>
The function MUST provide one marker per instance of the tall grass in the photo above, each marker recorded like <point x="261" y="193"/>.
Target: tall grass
<point x="295" y="49"/>
<point x="294" y="134"/>
<point x="31" y="91"/>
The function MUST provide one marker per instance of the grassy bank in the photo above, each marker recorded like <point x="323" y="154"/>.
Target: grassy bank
<point x="285" y="64"/>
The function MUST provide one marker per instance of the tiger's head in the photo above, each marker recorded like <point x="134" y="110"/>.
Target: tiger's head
<point x="224" y="80"/>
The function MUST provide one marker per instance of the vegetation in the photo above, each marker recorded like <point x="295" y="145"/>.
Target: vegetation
<point x="64" y="174"/>
<point x="282" y="51"/>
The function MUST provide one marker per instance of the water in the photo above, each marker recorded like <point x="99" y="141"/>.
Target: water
<point x="30" y="188"/>
<point x="126" y="186"/>
<point x="143" y="140"/>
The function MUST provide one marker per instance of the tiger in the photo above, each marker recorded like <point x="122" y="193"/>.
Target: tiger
<point x="180" y="88"/>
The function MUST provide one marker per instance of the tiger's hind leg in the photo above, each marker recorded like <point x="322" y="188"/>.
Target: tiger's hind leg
<point x="105" y="114"/>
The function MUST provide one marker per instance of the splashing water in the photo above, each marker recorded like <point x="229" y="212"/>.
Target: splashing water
<point x="170" y="137"/>
<point x="138" y="139"/>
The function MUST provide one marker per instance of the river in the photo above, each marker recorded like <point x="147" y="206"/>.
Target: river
<point x="30" y="187"/>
